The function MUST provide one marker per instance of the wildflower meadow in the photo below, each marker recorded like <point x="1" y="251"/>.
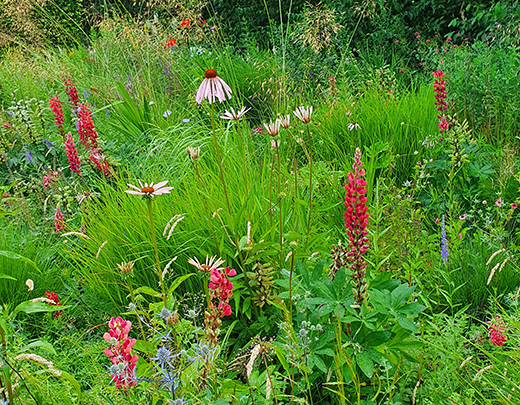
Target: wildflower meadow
<point x="220" y="202"/>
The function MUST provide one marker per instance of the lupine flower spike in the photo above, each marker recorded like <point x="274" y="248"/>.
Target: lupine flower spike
<point x="87" y="133"/>
<point x="356" y="220"/>
<point x="439" y="86"/>
<point x="221" y="291"/>
<point x="59" y="221"/>
<point x="444" y="242"/>
<point x="57" y="110"/>
<point x="122" y="370"/>
<point x="71" y="90"/>
<point x="213" y="86"/>
<point x="496" y="331"/>
<point x="72" y="155"/>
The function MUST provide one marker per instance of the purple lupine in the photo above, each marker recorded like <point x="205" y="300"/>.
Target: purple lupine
<point x="444" y="242"/>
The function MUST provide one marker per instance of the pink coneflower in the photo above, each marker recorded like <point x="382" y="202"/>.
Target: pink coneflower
<point x="57" y="110"/>
<point x="59" y="221"/>
<point x="303" y="114"/>
<point x="462" y="217"/>
<point x="514" y="206"/>
<point x="498" y="203"/>
<point x="72" y="155"/>
<point x="150" y="190"/>
<point x="484" y="202"/>
<point x="234" y="116"/>
<point x="213" y="86"/>
<point x="87" y="133"/>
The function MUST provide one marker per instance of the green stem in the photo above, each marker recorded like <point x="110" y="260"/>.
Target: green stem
<point x="8" y="385"/>
<point x="243" y="157"/>
<point x="280" y="207"/>
<point x="219" y="159"/>
<point x="154" y="241"/>
<point x="310" y="188"/>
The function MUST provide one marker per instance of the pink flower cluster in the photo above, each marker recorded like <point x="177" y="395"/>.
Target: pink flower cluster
<point x="356" y="219"/>
<point x="221" y="289"/>
<point x="120" y="353"/>
<point x="71" y="90"/>
<point x="59" y="220"/>
<point x="72" y="155"/>
<point x="57" y="110"/>
<point x="496" y="331"/>
<point x="87" y="133"/>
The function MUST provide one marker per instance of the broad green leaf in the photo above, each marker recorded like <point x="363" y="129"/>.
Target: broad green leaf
<point x="377" y="338"/>
<point x="327" y="352"/>
<point x="405" y="323"/>
<point x="365" y="363"/>
<point x="33" y="307"/>
<point x="147" y="290"/>
<point x="412" y="309"/>
<point x="16" y="256"/>
<point x="319" y="363"/>
<point x="40" y="343"/>
<point x="178" y="282"/>
<point x="401" y="294"/>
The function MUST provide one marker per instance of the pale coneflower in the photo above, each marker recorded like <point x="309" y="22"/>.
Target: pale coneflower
<point x="193" y="152"/>
<point x="149" y="190"/>
<point x="285" y="121"/>
<point x="234" y="116"/>
<point x="352" y="126"/>
<point x="303" y="114"/>
<point x="275" y="143"/>
<point x="213" y="86"/>
<point x="211" y="263"/>
<point x="273" y="128"/>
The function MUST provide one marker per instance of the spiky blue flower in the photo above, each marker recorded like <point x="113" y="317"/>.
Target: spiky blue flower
<point x="444" y="242"/>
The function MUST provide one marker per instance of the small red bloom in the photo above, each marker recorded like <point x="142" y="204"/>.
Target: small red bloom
<point x="185" y="23"/>
<point x="172" y="42"/>
<point x="496" y="331"/>
<point x="55" y="301"/>
<point x="57" y="110"/>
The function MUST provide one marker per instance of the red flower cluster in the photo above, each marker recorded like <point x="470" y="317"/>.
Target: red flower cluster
<point x="496" y="331"/>
<point x="120" y="353"/>
<point x="222" y="289"/>
<point x="356" y="219"/>
<point x="55" y="301"/>
<point x="72" y="155"/>
<point x="52" y="178"/>
<point x="439" y="86"/>
<point x="71" y="90"/>
<point x="185" y="23"/>
<point x="87" y="133"/>
<point x="59" y="221"/>
<point x="57" y="110"/>
<point x="172" y="42"/>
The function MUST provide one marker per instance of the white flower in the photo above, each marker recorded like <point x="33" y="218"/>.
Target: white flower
<point x="150" y="190"/>
<point x="273" y="127"/>
<point x="275" y="143"/>
<point x="193" y="152"/>
<point x="285" y="121"/>
<point x="352" y="126"/>
<point x="212" y="86"/>
<point x="30" y="284"/>
<point x="303" y="114"/>
<point x="235" y="116"/>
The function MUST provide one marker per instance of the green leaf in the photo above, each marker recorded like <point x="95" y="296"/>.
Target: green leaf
<point x="178" y="282"/>
<point x="147" y="290"/>
<point x="405" y="323"/>
<point x="377" y="338"/>
<point x="412" y="309"/>
<point x="33" y="307"/>
<point x="40" y="343"/>
<point x="401" y="294"/>
<point x="327" y="352"/>
<point x="16" y="256"/>
<point x="365" y="363"/>
<point x="67" y="377"/>
<point x="319" y="363"/>
<point x="2" y="275"/>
